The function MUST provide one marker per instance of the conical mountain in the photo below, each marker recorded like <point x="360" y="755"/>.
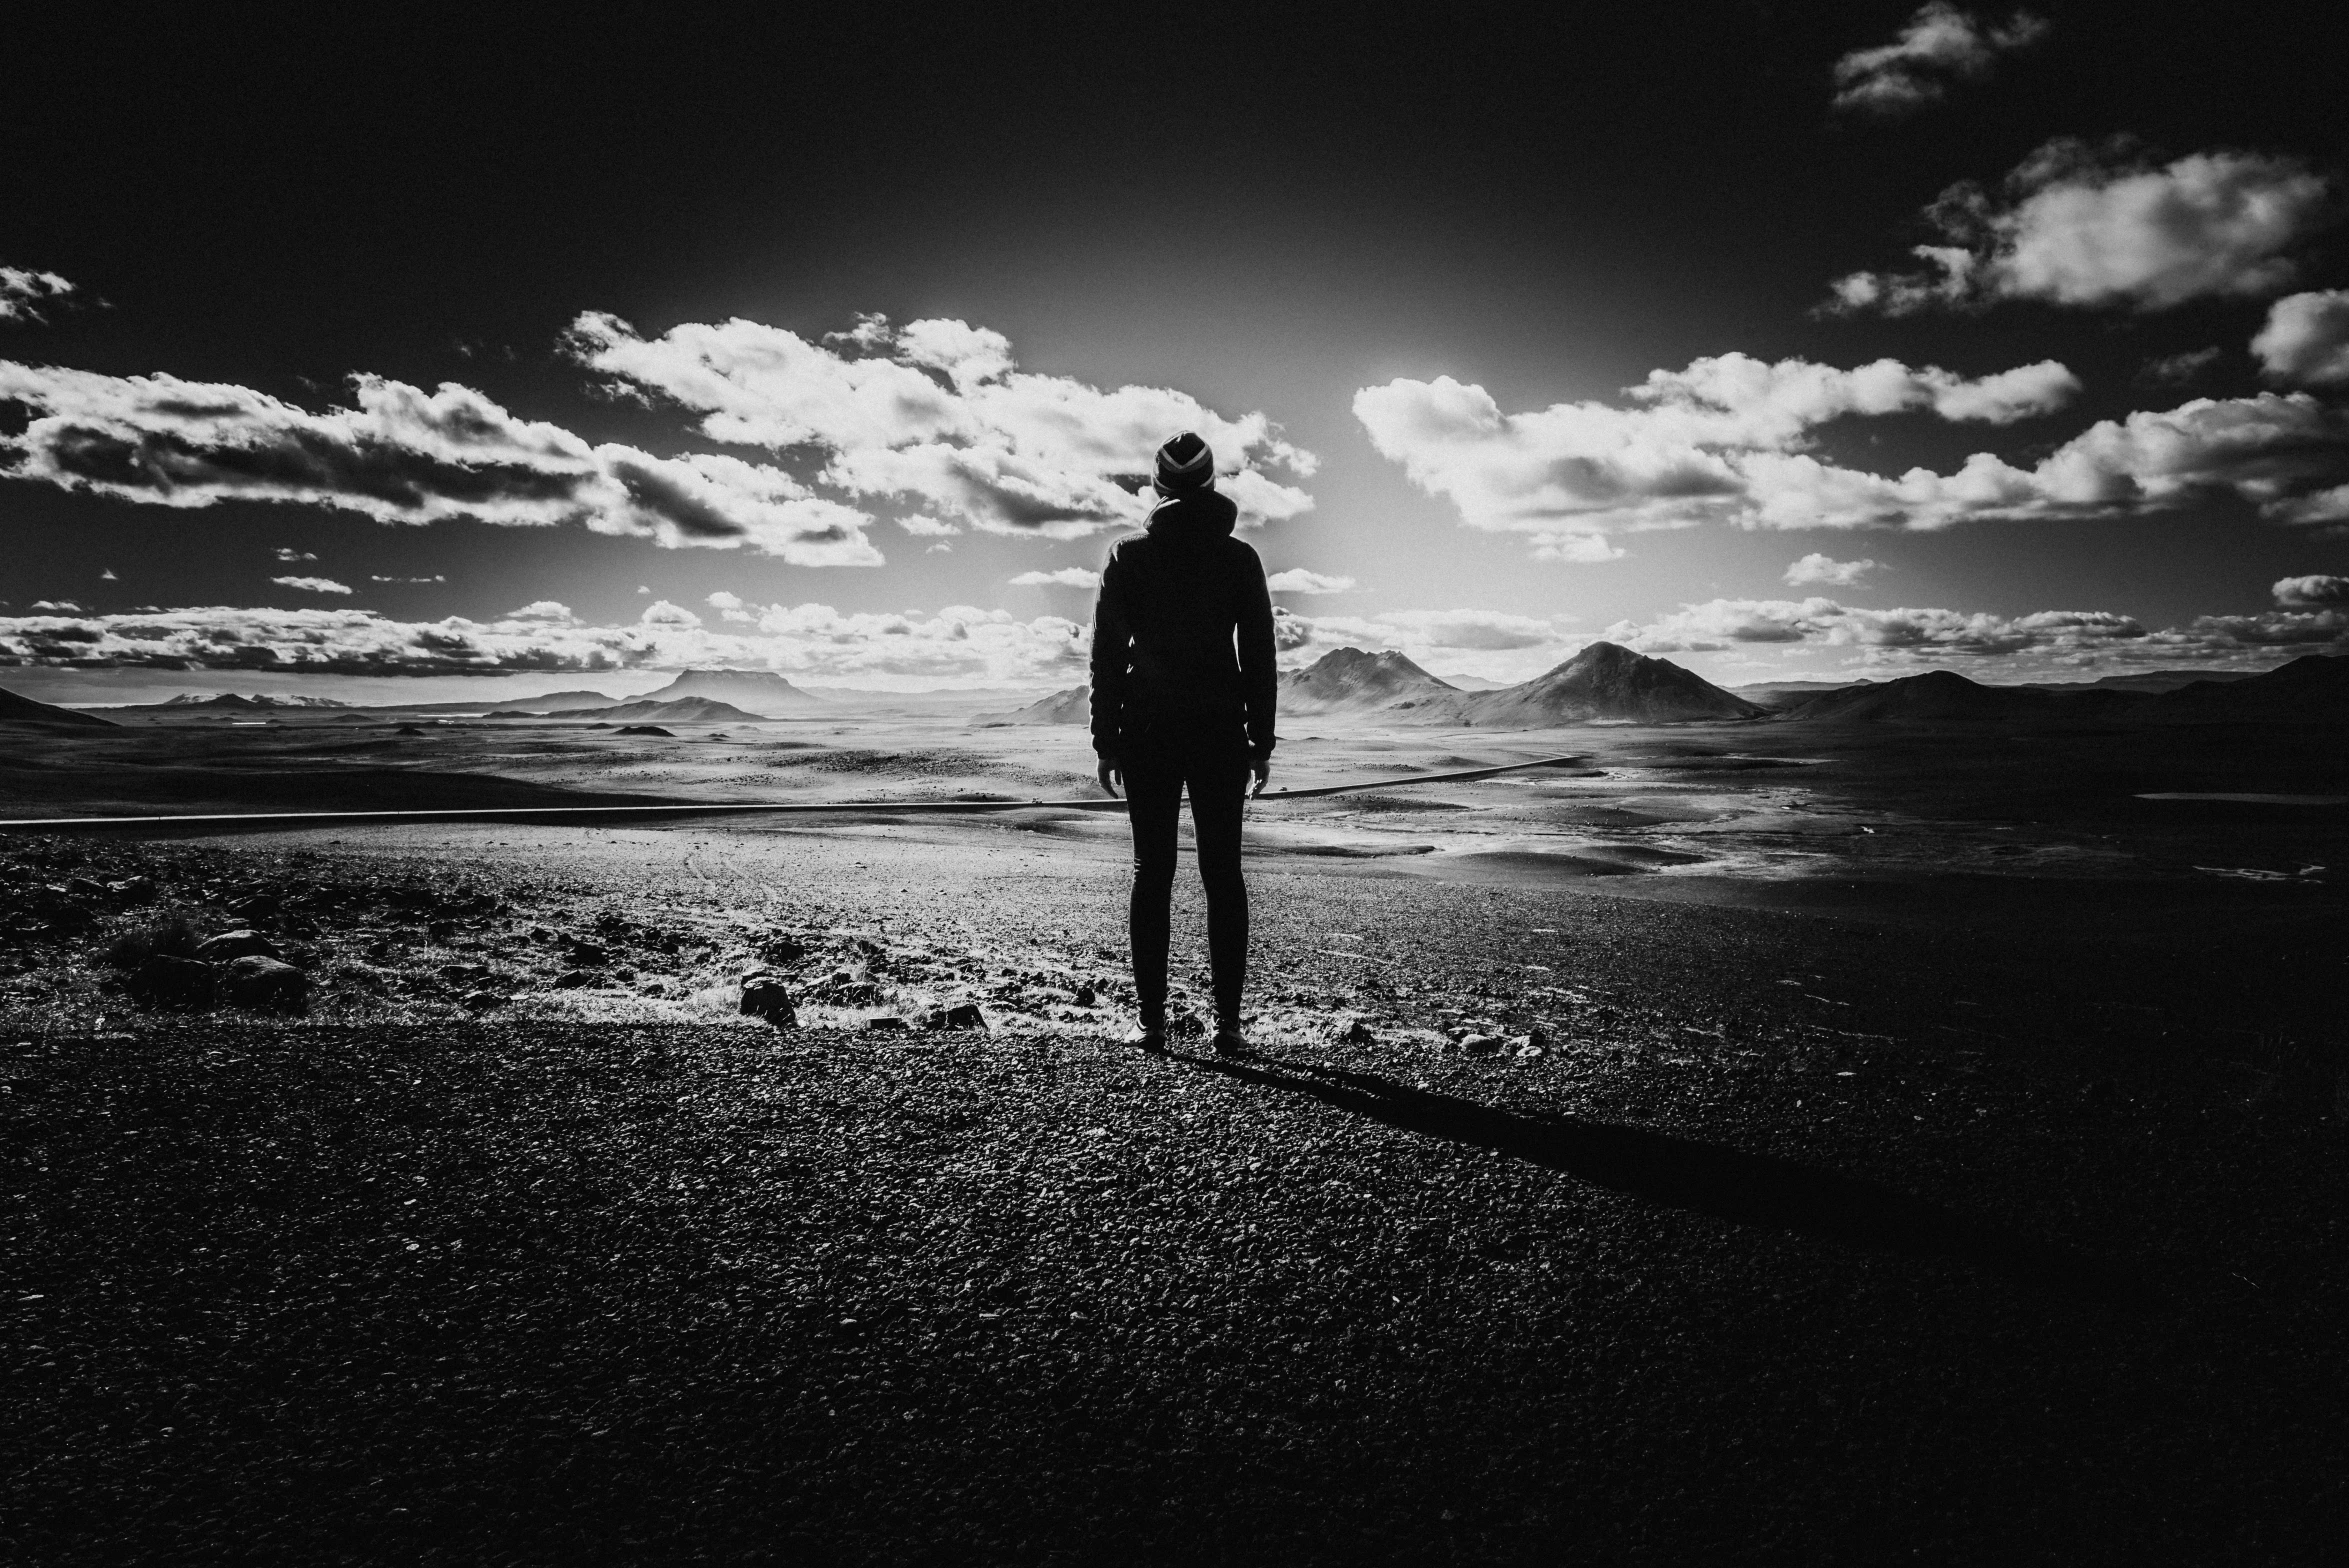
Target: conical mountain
<point x="1349" y="680"/>
<point x="1073" y="706"/>
<point x="1944" y="696"/>
<point x="1607" y="681"/>
<point x="759" y="691"/>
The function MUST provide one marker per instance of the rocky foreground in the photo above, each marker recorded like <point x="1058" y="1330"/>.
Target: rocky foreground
<point x="1547" y="1227"/>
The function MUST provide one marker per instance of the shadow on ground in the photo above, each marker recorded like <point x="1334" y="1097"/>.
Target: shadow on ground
<point x="1746" y="1189"/>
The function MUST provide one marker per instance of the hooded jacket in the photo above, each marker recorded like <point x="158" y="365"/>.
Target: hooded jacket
<point x="1182" y="635"/>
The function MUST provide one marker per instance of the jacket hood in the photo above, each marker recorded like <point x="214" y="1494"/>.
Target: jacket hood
<point x="1195" y="515"/>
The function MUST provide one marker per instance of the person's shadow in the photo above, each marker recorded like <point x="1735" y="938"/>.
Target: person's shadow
<point x="1749" y="1189"/>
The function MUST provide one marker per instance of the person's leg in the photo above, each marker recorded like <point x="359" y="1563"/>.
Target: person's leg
<point x="1219" y="795"/>
<point x="1153" y="805"/>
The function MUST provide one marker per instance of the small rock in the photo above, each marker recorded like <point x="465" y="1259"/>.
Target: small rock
<point x="887" y="1023"/>
<point x="573" y="980"/>
<point x="464" y="971"/>
<point x="167" y="981"/>
<point x="586" y="955"/>
<point x="258" y="981"/>
<point x="83" y="887"/>
<point x="235" y="944"/>
<point x="133" y="888"/>
<point x="963" y="1015"/>
<point x="1482" y="1044"/>
<point x="483" y="1001"/>
<point x="1087" y="997"/>
<point x="1352" y="1031"/>
<point x="261" y="906"/>
<point x="764" y="996"/>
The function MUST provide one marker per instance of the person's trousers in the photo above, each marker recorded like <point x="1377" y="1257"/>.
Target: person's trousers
<point x="1218" y="782"/>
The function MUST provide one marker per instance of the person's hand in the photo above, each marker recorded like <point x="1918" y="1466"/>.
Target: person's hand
<point x="1109" y="775"/>
<point x="1262" y="767"/>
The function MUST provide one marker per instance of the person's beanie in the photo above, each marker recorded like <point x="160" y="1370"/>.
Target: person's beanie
<point x="1185" y="463"/>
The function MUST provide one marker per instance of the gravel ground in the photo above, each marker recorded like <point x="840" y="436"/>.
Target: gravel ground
<point x="1805" y="1238"/>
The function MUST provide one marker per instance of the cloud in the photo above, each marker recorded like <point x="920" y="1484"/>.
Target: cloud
<point x="927" y="527"/>
<point x="936" y="412"/>
<point x="958" y="646"/>
<point x="1298" y="580"/>
<point x="2173" y="370"/>
<point x="22" y="291"/>
<point x="1941" y="45"/>
<point x="1729" y="440"/>
<point x="107" y="576"/>
<point x="293" y="557"/>
<point x="2306" y="338"/>
<point x="311" y="584"/>
<point x="2086" y="226"/>
<point x="1826" y="570"/>
<point x="1582" y="549"/>
<point x="1424" y="634"/>
<point x="2067" y="640"/>
<point x="1066" y="577"/>
<point x="2311" y="592"/>
<point x="404" y="455"/>
<point x="436" y="577"/>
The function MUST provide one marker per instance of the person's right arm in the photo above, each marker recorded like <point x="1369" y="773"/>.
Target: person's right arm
<point x="1113" y="639"/>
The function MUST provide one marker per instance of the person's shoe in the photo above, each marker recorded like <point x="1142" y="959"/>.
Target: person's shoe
<point x="1149" y="1039"/>
<point x="1228" y="1042"/>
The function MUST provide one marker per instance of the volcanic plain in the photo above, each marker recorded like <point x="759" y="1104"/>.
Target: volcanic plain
<point x="1749" y="1140"/>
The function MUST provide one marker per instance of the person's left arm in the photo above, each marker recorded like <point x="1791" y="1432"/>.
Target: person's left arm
<point x="1259" y="676"/>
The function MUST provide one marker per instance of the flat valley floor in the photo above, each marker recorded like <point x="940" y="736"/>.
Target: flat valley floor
<point x="1736" y="1143"/>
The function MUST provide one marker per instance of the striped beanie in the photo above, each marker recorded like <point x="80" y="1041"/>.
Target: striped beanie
<point x="1185" y="463"/>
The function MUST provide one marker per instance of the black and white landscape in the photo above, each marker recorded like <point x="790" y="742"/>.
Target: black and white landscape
<point x="1798" y="918"/>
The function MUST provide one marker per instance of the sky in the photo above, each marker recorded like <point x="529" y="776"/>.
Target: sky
<point x="410" y="356"/>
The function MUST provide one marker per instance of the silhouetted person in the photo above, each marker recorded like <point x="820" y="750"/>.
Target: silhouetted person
<point x="1183" y="693"/>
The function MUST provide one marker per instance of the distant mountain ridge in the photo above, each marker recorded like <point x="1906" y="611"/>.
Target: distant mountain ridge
<point x="1073" y="706"/>
<point x="763" y="690"/>
<point x="2313" y="688"/>
<point x="681" y="710"/>
<point x="229" y="699"/>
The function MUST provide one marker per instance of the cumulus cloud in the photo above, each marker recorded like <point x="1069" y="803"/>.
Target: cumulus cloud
<point x="937" y="412"/>
<point x="1729" y="440"/>
<point x="2311" y="592"/>
<point x="958" y="646"/>
<point x="311" y="584"/>
<point x="1066" y="577"/>
<point x="1941" y="45"/>
<point x="1298" y="580"/>
<point x="2087" y="226"/>
<point x="436" y="577"/>
<point x="404" y="455"/>
<point x="2306" y="338"/>
<point x="1816" y="568"/>
<point x="22" y="292"/>
<point x="293" y="557"/>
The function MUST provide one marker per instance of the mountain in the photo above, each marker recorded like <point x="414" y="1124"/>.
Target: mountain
<point x="1073" y="706"/>
<point x="1944" y="696"/>
<point x="2312" y="688"/>
<point x="1605" y="681"/>
<point x="1351" y="681"/>
<point x="2146" y="680"/>
<point x="684" y="710"/>
<point x="763" y="690"/>
<point x="23" y="710"/>
<point x="562" y="701"/>
<point x="1471" y="683"/>
<point x="229" y="699"/>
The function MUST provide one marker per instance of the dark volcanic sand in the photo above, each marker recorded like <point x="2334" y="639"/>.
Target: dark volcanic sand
<point x="1970" y="1218"/>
